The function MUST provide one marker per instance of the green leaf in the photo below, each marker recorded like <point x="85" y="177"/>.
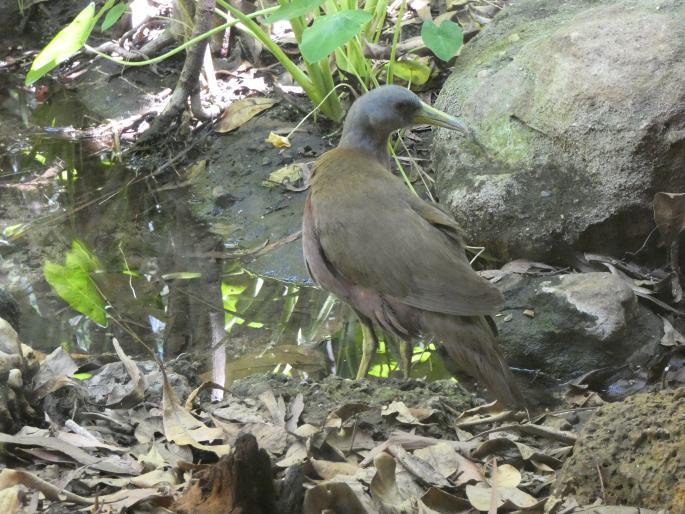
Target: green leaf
<point x="330" y="32"/>
<point x="444" y="40"/>
<point x="81" y="258"/>
<point x="77" y="289"/>
<point x="293" y="10"/>
<point x="412" y="71"/>
<point x="72" y="282"/>
<point x="66" y="43"/>
<point x="113" y="15"/>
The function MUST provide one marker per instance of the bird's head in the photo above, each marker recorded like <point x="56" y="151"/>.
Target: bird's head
<point x="378" y="113"/>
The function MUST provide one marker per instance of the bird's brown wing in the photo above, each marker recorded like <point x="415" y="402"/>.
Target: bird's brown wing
<point x="378" y="235"/>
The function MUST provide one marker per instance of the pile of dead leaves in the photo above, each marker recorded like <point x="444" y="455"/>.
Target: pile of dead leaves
<point x="123" y="442"/>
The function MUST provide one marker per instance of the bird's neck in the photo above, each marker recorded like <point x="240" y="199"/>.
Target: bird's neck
<point x="360" y="136"/>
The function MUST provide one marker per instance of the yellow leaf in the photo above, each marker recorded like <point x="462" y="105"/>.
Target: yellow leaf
<point x="242" y="111"/>
<point x="287" y="174"/>
<point x="278" y="141"/>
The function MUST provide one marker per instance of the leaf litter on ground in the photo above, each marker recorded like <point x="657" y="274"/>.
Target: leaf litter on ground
<point x="144" y="451"/>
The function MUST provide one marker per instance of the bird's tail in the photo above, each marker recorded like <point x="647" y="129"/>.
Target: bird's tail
<point x="471" y="345"/>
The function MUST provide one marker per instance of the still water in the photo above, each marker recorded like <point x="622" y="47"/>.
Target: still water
<point x="119" y="244"/>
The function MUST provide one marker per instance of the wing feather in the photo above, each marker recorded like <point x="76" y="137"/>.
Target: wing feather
<point x="402" y="247"/>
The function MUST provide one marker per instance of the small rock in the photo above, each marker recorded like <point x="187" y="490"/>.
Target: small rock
<point x="575" y="323"/>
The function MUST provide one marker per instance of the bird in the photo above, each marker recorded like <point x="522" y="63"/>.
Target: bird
<point x="397" y="260"/>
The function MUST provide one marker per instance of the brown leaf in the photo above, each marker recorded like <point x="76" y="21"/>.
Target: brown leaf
<point x="482" y="498"/>
<point x="327" y="469"/>
<point x="671" y="337"/>
<point x="404" y="414"/>
<point x="505" y="475"/>
<point x="441" y="456"/>
<point x="442" y="502"/>
<point x="181" y="427"/>
<point x="242" y="111"/>
<point x="109" y="465"/>
<point x="137" y="395"/>
<point x="383" y="486"/>
<point x="335" y="497"/>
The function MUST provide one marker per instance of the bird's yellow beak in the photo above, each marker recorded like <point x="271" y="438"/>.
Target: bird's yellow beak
<point x="432" y="116"/>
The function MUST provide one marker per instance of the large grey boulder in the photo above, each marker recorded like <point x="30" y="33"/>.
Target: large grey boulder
<point x="567" y="325"/>
<point x="578" y="109"/>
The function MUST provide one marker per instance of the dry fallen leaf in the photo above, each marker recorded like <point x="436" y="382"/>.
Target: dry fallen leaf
<point x="242" y="111"/>
<point x="286" y="175"/>
<point x="181" y="427"/>
<point x="278" y="141"/>
<point x="482" y="497"/>
<point x="505" y="475"/>
<point x="327" y="469"/>
<point x="671" y="337"/>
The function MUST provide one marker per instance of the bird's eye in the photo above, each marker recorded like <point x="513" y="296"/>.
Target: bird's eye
<point x="404" y="105"/>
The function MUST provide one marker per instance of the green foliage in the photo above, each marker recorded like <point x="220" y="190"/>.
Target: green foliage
<point x="443" y="40"/>
<point x="113" y="15"/>
<point x="288" y="11"/>
<point x="330" y="32"/>
<point x="73" y="283"/>
<point x="71" y="38"/>
<point x="66" y="43"/>
<point x="414" y="72"/>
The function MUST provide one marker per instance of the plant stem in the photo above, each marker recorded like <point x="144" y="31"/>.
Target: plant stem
<point x="395" y="39"/>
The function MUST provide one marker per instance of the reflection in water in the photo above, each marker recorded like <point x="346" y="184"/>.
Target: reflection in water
<point x="159" y="275"/>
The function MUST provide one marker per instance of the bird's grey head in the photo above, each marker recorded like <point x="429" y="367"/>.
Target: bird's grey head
<point x="378" y="113"/>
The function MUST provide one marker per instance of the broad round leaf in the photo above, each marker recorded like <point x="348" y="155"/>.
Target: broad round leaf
<point x="330" y="32"/>
<point x="293" y="10"/>
<point x="444" y="40"/>
<point x="66" y="43"/>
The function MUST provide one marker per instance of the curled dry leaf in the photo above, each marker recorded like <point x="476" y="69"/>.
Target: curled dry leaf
<point x="181" y="427"/>
<point x="671" y="337"/>
<point x="327" y="469"/>
<point x="278" y="141"/>
<point x="137" y="394"/>
<point x="405" y="414"/>
<point x="242" y="111"/>
<point x="383" y="485"/>
<point x="527" y="453"/>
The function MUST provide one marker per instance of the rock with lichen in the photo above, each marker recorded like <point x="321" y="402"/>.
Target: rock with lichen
<point x="631" y="453"/>
<point x="577" y="120"/>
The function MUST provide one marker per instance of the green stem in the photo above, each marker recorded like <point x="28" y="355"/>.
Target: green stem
<point x="395" y="39"/>
<point x="315" y="86"/>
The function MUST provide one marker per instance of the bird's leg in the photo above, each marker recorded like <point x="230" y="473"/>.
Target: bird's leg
<point x="406" y="350"/>
<point x="369" y="346"/>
